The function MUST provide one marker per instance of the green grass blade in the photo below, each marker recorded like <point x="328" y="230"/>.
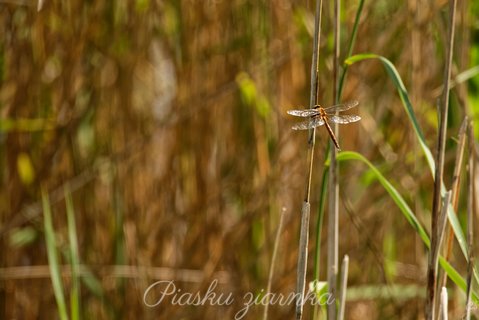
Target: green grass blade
<point x="456" y="226"/>
<point x="53" y="261"/>
<point x="74" y="258"/>
<point x="407" y="213"/>
<point x="396" y="79"/>
<point x="395" y="195"/>
<point x="457" y="279"/>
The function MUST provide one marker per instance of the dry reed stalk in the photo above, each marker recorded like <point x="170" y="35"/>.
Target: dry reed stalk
<point x="439" y="172"/>
<point x="456" y="178"/>
<point x="470" y="214"/>
<point x="333" y="213"/>
<point x="343" y="285"/>
<point x="443" y="306"/>
<point x="273" y="262"/>
<point x="442" y="220"/>
<point x="306" y="208"/>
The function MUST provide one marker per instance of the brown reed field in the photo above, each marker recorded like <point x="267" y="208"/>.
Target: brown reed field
<point x="150" y="170"/>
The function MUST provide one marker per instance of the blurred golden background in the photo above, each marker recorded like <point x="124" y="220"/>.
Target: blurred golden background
<point x="166" y="120"/>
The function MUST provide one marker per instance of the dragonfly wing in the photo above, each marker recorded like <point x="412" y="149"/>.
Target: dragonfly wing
<point x="341" y="107"/>
<point x="343" y="119"/>
<point x="308" y="124"/>
<point x="303" y="113"/>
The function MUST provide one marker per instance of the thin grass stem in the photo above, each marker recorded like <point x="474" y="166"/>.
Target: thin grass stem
<point x="470" y="225"/>
<point x="333" y="213"/>
<point x="443" y="305"/>
<point x="343" y="285"/>
<point x="456" y="178"/>
<point x="53" y="260"/>
<point x="325" y="177"/>
<point x="305" y="209"/>
<point x="74" y="257"/>
<point x="273" y="262"/>
<point x="319" y="224"/>
<point x="439" y="172"/>
<point x="350" y="48"/>
<point x="434" y="255"/>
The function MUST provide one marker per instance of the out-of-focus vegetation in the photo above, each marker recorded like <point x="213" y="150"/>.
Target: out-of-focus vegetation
<point x="161" y="127"/>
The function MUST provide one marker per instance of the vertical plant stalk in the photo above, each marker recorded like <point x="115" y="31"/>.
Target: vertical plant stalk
<point x="325" y="178"/>
<point x="273" y="262"/>
<point x="456" y="178"/>
<point x="74" y="257"/>
<point x="434" y="254"/>
<point x="439" y="172"/>
<point x="442" y="223"/>
<point x="352" y="41"/>
<point x="319" y="225"/>
<point x="306" y="208"/>
<point x="302" y="259"/>
<point x="343" y="285"/>
<point x="40" y="5"/>
<point x="470" y="226"/>
<point x="350" y="48"/>
<point x="53" y="260"/>
<point x="443" y="306"/>
<point x="333" y="213"/>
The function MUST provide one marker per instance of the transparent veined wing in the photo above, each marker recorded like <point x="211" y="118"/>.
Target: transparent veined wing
<point x="303" y="113"/>
<point x="308" y="124"/>
<point x="342" y="119"/>
<point x="341" y="107"/>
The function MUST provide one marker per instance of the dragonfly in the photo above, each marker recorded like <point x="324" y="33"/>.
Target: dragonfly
<point x="319" y="116"/>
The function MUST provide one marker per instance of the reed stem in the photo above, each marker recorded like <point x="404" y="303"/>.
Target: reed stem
<point x="439" y="172"/>
<point x="306" y="208"/>
<point x="273" y="262"/>
<point x="470" y="225"/>
<point x="333" y="213"/>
